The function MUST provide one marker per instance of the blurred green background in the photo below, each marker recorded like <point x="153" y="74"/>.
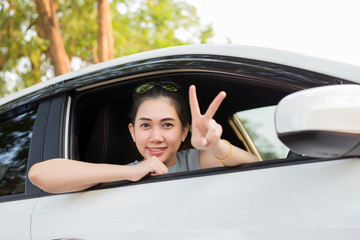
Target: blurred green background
<point x="40" y="39"/>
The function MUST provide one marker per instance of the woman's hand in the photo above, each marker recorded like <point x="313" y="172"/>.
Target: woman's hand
<point x="152" y="166"/>
<point x="206" y="132"/>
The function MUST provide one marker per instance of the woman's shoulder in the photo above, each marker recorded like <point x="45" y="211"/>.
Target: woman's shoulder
<point x="188" y="159"/>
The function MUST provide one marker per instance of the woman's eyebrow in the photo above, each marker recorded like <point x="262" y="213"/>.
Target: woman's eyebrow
<point x="145" y="119"/>
<point x="168" y="119"/>
<point x="163" y="119"/>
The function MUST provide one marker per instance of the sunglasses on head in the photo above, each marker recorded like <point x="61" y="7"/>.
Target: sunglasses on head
<point x="167" y="86"/>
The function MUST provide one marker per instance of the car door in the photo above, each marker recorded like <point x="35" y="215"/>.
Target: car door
<point x="310" y="199"/>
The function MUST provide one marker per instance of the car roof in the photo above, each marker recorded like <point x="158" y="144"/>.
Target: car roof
<point x="332" y="68"/>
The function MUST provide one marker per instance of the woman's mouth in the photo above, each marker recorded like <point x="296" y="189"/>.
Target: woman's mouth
<point x="156" y="151"/>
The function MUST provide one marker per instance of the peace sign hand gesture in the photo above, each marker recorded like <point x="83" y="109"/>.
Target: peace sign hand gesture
<point x="206" y="132"/>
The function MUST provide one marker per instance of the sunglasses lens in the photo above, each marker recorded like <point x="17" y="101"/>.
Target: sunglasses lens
<point x="148" y="86"/>
<point x="169" y="87"/>
<point x="144" y="88"/>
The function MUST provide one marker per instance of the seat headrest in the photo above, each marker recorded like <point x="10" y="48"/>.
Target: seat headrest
<point x="110" y="140"/>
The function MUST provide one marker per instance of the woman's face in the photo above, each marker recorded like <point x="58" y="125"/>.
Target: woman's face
<point x="157" y="130"/>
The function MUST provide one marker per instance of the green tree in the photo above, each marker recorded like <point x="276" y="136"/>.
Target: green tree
<point x="137" y="25"/>
<point x="21" y="48"/>
<point x="48" y="27"/>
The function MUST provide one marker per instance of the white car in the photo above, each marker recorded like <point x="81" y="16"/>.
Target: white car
<point x="311" y="193"/>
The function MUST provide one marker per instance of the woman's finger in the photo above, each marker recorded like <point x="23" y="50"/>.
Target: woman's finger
<point x="194" y="104"/>
<point x="159" y="170"/>
<point x="210" y="132"/>
<point x="156" y="166"/>
<point x="163" y="167"/>
<point x="213" y="133"/>
<point x="198" y="142"/>
<point x="213" y="107"/>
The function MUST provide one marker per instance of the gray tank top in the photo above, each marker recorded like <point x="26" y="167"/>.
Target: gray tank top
<point x="186" y="160"/>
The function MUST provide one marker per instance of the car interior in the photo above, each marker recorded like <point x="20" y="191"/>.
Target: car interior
<point x="100" y="115"/>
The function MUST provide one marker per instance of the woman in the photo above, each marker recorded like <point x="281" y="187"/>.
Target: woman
<point x="159" y="123"/>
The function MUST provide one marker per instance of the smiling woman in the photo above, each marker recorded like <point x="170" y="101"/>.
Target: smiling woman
<point x="159" y="124"/>
<point x="158" y="131"/>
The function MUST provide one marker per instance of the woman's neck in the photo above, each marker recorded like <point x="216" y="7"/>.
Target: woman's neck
<point x="170" y="161"/>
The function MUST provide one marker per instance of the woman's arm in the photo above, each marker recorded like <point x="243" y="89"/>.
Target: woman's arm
<point x="225" y="154"/>
<point x="63" y="175"/>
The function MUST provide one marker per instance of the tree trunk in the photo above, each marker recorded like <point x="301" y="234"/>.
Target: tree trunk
<point x="49" y="25"/>
<point x="105" y="35"/>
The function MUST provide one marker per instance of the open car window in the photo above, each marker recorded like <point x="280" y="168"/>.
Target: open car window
<point x="100" y="114"/>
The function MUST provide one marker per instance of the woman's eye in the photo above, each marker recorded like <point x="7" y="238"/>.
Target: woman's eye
<point x="145" y="125"/>
<point x="168" y="125"/>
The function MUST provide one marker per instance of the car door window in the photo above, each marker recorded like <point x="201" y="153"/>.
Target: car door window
<point x="258" y="130"/>
<point x="15" y="136"/>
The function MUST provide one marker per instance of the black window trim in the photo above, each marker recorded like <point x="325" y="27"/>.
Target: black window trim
<point x="37" y="144"/>
<point x="54" y="135"/>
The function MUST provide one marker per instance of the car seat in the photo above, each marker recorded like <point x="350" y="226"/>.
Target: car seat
<point x="110" y="140"/>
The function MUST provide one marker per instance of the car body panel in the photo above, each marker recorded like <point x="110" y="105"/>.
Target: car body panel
<point x="272" y="203"/>
<point x="16" y="223"/>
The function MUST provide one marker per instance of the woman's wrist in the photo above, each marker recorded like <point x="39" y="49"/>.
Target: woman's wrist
<point x="223" y="151"/>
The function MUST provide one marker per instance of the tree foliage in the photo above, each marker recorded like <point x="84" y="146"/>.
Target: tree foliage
<point x="138" y="25"/>
<point x="21" y="48"/>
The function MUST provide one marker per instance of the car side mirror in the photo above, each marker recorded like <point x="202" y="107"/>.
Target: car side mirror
<point x="321" y="122"/>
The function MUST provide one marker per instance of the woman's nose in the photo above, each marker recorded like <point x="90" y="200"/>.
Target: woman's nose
<point x="156" y="135"/>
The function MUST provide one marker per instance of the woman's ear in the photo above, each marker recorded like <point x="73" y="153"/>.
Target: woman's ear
<point x="185" y="132"/>
<point x="132" y="131"/>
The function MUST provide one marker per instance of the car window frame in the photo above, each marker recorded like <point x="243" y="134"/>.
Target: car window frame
<point x="70" y="110"/>
<point x="202" y="172"/>
<point x="298" y="79"/>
